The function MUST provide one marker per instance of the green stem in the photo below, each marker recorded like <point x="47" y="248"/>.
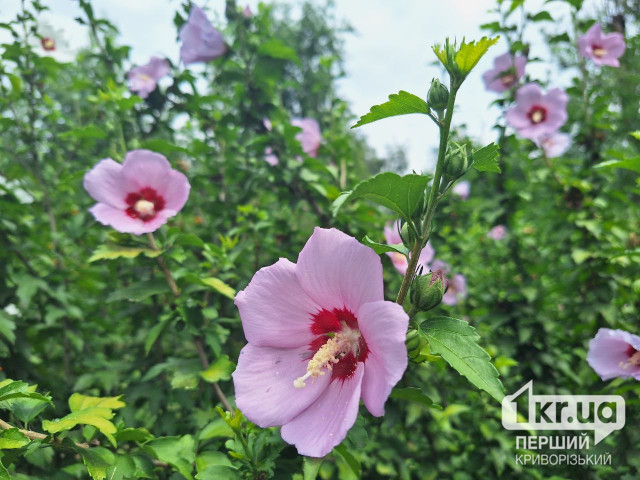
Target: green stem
<point x="411" y="268"/>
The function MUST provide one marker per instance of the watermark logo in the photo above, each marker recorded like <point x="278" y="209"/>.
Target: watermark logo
<point x="601" y="413"/>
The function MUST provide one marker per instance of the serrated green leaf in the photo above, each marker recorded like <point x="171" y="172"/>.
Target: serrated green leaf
<point x="275" y="48"/>
<point x="353" y="462"/>
<point x="139" y="435"/>
<point x="95" y="416"/>
<point x="221" y="369"/>
<point x="215" y="429"/>
<point x="380" y="248"/>
<point x="110" y="252"/>
<point x="401" y="103"/>
<point x="455" y="340"/>
<point x="219" y="472"/>
<point x="139" y="291"/>
<point x="177" y="451"/>
<point x="311" y="467"/>
<point x="162" y="146"/>
<point x="542" y="16"/>
<point x="486" y="159"/>
<point x="470" y="54"/>
<point x="413" y="394"/>
<point x="219" y="286"/>
<point x="628" y="164"/>
<point x="400" y="194"/>
<point x="12" y="438"/>
<point x="97" y="460"/>
<point x="123" y="468"/>
<point x="77" y="402"/>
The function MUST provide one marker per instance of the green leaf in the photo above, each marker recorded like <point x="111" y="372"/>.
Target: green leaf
<point x="216" y="429"/>
<point x="177" y="451"/>
<point x="470" y="54"/>
<point x="455" y="340"/>
<point x="400" y="194"/>
<point x="486" y="159"/>
<point x="219" y="286"/>
<point x="78" y="402"/>
<point x="12" y="438"/>
<point x="139" y="291"/>
<point x="380" y="248"/>
<point x="221" y="369"/>
<point x="413" y="394"/>
<point x="628" y="164"/>
<point x="139" y="435"/>
<point x="220" y="472"/>
<point x="275" y="48"/>
<point x="110" y="252"/>
<point x="635" y="134"/>
<point x="542" y="16"/>
<point x="95" y="416"/>
<point x="124" y="467"/>
<point x="401" y="103"/>
<point x="90" y="131"/>
<point x="311" y="467"/>
<point x="97" y="460"/>
<point x="164" y="147"/>
<point x="353" y="462"/>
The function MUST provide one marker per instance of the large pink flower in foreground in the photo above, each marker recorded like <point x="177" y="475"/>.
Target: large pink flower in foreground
<point x="310" y="137"/>
<point x="392" y="237"/>
<point x="615" y="353"/>
<point x="201" y="42"/>
<point x="321" y="336"/>
<point x="602" y="48"/>
<point x="506" y="72"/>
<point x="144" y="79"/>
<point x="137" y="196"/>
<point x="536" y="113"/>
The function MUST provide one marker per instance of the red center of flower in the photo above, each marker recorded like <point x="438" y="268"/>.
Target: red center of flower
<point x="507" y="80"/>
<point x="339" y="322"/>
<point x="48" y="43"/>
<point x="145" y="204"/>
<point x="634" y="356"/>
<point x="537" y="114"/>
<point x="598" y="50"/>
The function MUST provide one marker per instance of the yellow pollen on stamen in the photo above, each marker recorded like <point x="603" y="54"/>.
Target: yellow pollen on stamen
<point x="507" y="79"/>
<point x="329" y="354"/>
<point x="536" y="116"/>
<point x="145" y="207"/>
<point x="633" y="361"/>
<point x="144" y="77"/>
<point x="599" y="52"/>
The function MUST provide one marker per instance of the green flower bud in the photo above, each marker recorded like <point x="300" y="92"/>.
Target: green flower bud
<point x="456" y="162"/>
<point x="408" y="238"/>
<point x="438" y="96"/>
<point x="417" y="347"/>
<point x="427" y="291"/>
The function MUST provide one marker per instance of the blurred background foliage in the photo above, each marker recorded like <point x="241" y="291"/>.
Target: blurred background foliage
<point x="86" y="310"/>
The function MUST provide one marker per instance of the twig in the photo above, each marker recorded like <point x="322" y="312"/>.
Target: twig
<point x="31" y="435"/>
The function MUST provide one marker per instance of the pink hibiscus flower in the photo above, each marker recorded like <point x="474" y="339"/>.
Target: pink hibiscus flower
<point x="144" y="79"/>
<point x="137" y="196"/>
<point x="462" y="189"/>
<point x="554" y="145"/>
<point x="270" y="157"/>
<point x="310" y="136"/>
<point x="498" y="232"/>
<point x="201" y="42"/>
<point x="615" y="353"/>
<point x="456" y="284"/>
<point x="537" y="114"/>
<point x="392" y="237"/>
<point x="321" y="336"/>
<point x="506" y="72"/>
<point x="602" y="48"/>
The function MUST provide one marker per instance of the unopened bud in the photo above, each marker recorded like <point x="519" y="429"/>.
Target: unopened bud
<point x="456" y="161"/>
<point x="417" y="347"/>
<point x="427" y="290"/>
<point x="408" y="238"/>
<point x="438" y="96"/>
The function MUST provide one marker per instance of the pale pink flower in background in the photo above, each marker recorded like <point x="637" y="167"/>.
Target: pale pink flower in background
<point x="201" y="42"/>
<point x="137" y="196"/>
<point x="615" y="353"/>
<point x="267" y="124"/>
<point x="392" y="237"/>
<point x="144" y="79"/>
<point x="310" y="137"/>
<point x="270" y="157"/>
<point x="536" y="113"/>
<point x="246" y="12"/>
<point x="462" y="189"/>
<point x="456" y="284"/>
<point x="321" y="336"/>
<point x="506" y="72"/>
<point x="602" y="48"/>
<point x="554" y="145"/>
<point x="498" y="232"/>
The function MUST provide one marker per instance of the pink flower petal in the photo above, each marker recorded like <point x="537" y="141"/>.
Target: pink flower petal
<point x="274" y="308"/>
<point x="326" y="422"/>
<point x="263" y="382"/>
<point x="608" y="353"/>
<point x="175" y="192"/>
<point x="120" y="221"/>
<point x="338" y="271"/>
<point x="201" y="42"/>
<point x="144" y="168"/>
<point x="105" y="184"/>
<point x="384" y="328"/>
<point x="310" y="137"/>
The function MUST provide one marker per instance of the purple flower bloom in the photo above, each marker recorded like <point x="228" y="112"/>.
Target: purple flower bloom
<point x="462" y="189"/>
<point x="321" y="336"/>
<point x="456" y="285"/>
<point x="137" y="196"/>
<point x="506" y="72"/>
<point x="144" y="79"/>
<point x="498" y="232"/>
<point x="554" y="145"/>
<point x="270" y="157"/>
<point x="392" y="236"/>
<point x="201" y="41"/>
<point x="537" y="114"/>
<point x="603" y="49"/>
<point x="310" y="136"/>
<point x="615" y="353"/>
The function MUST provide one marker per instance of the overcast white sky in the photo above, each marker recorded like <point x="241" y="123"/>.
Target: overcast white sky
<point x="390" y="51"/>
